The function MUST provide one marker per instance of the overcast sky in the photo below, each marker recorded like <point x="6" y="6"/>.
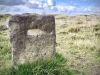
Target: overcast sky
<point x="50" y="6"/>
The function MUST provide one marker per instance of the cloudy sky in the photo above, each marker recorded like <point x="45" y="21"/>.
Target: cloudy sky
<point x="50" y="6"/>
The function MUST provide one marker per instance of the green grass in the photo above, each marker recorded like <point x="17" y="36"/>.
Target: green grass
<point x="56" y="66"/>
<point x="79" y="43"/>
<point x="3" y="18"/>
<point x="5" y="47"/>
<point x="77" y="47"/>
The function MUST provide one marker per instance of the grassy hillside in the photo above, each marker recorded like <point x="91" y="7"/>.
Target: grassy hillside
<point x="78" y="41"/>
<point x="77" y="47"/>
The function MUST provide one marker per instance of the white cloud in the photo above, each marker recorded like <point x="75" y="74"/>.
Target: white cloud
<point x="66" y="8"/>
<point x="97" y="10"/>
<point x="20" y="9"/>
<point x="53" y="8"/>
<point x="39" y="6"/>
<point x="51" y="2"/>
<point x="87" y="9"/>
<point x="61" y="8"/>
<point x="45" y="6"/>
<point x="34" y="4"/>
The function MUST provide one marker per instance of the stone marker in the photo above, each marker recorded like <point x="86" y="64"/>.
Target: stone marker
<point x="32" y="37"/>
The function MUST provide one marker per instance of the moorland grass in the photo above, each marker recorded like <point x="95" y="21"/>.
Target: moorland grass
<point x="79" y="43"/>
<point x="77" y="47"/>
<point x="56" y="66"/>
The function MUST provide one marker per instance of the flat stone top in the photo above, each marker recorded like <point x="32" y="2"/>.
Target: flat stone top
<point x="29" y="18"/>
<point x="42" y="22"/>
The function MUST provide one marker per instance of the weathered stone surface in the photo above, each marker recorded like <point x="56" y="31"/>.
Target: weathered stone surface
<point x="32" y="37"/>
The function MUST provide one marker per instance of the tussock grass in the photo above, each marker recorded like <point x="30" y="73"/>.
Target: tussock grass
<point x="5" y="48"/>
<point x="79" y="43"/>
<point x="77" y="46"/>
<point x="56" y="66"/>
<point x="3" y="27"/>
<point x="74" y="29"/>
<point x="3" y="18"/>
